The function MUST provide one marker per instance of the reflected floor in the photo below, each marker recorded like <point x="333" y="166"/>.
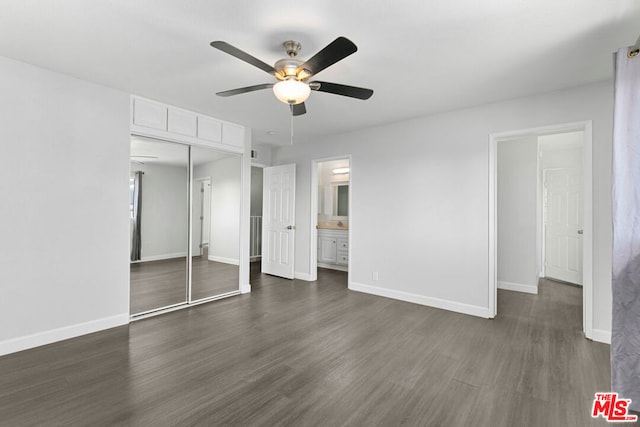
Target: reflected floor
<point x="156" y="284"/>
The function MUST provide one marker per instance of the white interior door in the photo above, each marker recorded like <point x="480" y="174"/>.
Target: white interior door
<point x="278" y="220"/>
<point x="563" y="222"/>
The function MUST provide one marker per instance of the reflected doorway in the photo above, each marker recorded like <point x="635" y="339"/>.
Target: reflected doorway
<point x="203" y="208"/>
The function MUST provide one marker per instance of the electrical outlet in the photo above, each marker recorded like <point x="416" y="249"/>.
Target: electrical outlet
<point x="374" y="276"/>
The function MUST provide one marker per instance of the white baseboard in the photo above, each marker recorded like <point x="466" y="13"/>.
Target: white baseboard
<point x="245" y="289"/>
<point x="303" y="276"/>
<point x="161" y="257"/>
<point x="224" y="260"/>
<point x="458" y="307"/>
<point x="518" y="287"/>
<point x="333" y="266"/>
<point x="47" y="337"/>
<point x="601" y="335"/>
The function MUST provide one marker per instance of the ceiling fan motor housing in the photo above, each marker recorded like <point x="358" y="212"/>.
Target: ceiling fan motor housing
<point x="287" y="68"/>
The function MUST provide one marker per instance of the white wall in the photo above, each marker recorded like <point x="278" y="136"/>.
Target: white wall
<point x="562" y="150"/>
<point x="64" y="169"/>
<point x="517" y="207"/>
<point x="264" y="154"/>
<point x="224" y="244"/>
<point x="423" y="225"/>
<point x="165" y="211"/>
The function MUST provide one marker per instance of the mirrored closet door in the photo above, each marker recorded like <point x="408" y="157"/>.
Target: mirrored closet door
<point x="216" y="197"/>
<point x="169" y="266"/>
<point x="159" y="223"/>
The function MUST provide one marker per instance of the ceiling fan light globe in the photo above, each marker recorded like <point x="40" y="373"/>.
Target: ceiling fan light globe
<point x="291" y="92"/>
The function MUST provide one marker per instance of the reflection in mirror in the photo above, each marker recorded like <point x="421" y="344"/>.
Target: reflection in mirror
<point x="215" y="220"/>
<point x="333" y="193"/>
<point x="342" y="200"/>
<point x="158" y="212"/>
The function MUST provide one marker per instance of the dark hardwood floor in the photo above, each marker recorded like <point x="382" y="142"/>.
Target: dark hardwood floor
<point x="156" y="284"/>
<point x="298" y="353"/>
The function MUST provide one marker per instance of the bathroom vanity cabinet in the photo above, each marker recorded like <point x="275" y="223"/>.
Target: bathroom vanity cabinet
<point x="333" y="249"/>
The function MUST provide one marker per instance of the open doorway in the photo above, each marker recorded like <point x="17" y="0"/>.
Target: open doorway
<point x="545" y="230"/>
<point x="202" y="216"/>
<point x="331" y="193"/>
<point x="561" y="174"/>
<point x="255" y="230"/>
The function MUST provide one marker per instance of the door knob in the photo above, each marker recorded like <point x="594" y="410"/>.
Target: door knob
<point x="290" y="227"/>
<point x="580" y="231"/>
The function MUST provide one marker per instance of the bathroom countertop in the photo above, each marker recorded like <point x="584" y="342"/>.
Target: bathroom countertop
<point x="330" y="225"/>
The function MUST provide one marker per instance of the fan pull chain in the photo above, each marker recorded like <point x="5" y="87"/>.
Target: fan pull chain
<point x="291" y="129"/>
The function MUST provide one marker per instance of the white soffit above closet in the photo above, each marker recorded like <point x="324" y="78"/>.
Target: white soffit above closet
<point x="151" y="151"/>
<point x="419" y="57"/>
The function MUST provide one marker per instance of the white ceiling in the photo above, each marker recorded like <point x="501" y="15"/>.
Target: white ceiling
<point x="420" y="57"/>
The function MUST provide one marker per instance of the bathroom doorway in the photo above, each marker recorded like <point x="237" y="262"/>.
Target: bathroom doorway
<point x="331" y="195"/>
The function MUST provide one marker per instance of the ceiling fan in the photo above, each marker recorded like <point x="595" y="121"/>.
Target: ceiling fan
<point x="293" y="86"/>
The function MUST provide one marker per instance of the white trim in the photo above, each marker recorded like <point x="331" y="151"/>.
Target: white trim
<point x="244" y="250"/>
<point x="180" y="306"/>
<point x="47" y="337"/>
<point x="540" y="192"/>
<point x="587" y="246"/>
<point x="601" y="335"/>
<point x="518" y="287"/>
<point x="457" y="307"/>
<point x="587" y="253"/>
<point x="313" y="223"/>
<point x="184" y="139"/>
<point x="213" y="298"/>
<point x="224" y="260"/>
<point x="190" y="226"/>
<point x="161" y="257"/>
<point x="304" y="276"/>
<point x="493" y="228"/>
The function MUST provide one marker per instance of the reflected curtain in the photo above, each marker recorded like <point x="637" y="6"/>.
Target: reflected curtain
<point x="625" y="336"/>
<point x="136" y="235"/>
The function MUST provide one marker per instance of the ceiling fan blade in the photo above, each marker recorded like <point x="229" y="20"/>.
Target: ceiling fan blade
<point x="338" y="49"/>
<point x="344" y="90"/>
<point x="244" y="56"/>
<point x="245" y="89"/>
<point x="298" y="109"/>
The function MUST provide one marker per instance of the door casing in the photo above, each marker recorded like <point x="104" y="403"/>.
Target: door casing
<point x="587" y="252"/>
